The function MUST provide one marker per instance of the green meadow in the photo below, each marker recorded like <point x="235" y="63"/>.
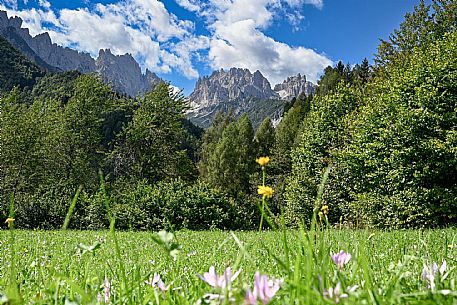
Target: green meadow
<point x="86" y="267"/>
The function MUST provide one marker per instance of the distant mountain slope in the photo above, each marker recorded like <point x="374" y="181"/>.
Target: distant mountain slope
<point x="56" y="86"/>
<point x="15" y="68"/>
<point x="121" y="71"/>
<point x="294" y="86"/>
<point x="231" y="85"/>
<point x="124" y="73"/>
<point x="257" y="110"/>
<point x="11" y="35"/>
<point x="243" y="92"/>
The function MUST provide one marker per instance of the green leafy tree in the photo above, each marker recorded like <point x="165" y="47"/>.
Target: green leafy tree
<point x="361" y="73"/>
<point x="232" y="161"/>
<point x="323" y="132"/>
<point x="82" y="136"/>
<point x="419" y="29"/>
<point x="211" y="138"/>
<point x="402" y="153"/>
<point x="20" y="136"/>
<point x="287" y="132"/>
<point x="16" y="69"/>
<point x="149" y="147"/>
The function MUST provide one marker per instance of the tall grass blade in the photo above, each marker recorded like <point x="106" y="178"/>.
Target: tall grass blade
<point x="71" y="208"/>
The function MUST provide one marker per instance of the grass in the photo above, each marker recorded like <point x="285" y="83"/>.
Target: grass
<point x="70" y="267"/>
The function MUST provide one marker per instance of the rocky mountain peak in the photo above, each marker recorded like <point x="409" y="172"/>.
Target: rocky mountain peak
<point x="122" y="71"/>
<point x="14" y="22"/>
<point x="294" y="86"/>
<point x="242" y="91"/>
<point x="43" y="38"/>
<point x="236" y="88"/>
<point x="234" y="84"/>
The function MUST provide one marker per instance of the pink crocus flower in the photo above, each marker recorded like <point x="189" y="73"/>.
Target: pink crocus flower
<point x="107" y="290"/>
<point x="264" y="290"/>
<point x="429" y="273"/>
<point x="250" y="298"/>
<point x="156" y="281"/>
<point x="341" y="259"/>
<point x="216" y="281"/>
<point x="337" y="293"/>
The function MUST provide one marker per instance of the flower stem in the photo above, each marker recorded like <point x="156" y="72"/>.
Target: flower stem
<point x="264" y="174"/>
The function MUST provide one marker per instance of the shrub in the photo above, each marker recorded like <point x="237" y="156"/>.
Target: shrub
<point x="174" y="205"/>
<point x="45" y="209"/>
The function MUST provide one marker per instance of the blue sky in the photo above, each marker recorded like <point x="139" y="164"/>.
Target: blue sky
<point x="182" y="40"/>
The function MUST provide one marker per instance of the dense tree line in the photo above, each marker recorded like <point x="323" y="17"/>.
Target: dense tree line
<point x="388" y="136"/>
<point x="386" y="132"/>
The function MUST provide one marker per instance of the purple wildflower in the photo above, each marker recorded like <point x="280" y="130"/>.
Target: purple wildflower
<point x="430" y="272"/>
<point x="156" y="281"/>
<point x="341" y="259"/>
<point x="337" y="293"/>
<point x="264" y="290"/>
<point x="107" y="290"/>
<point x="250" y="298"/>
<point x="216" y="281"/>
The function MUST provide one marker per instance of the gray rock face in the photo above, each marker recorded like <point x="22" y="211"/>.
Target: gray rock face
<point x="122" y="72"/>
<point x="243" y="92"/>
<point x="65" y="59"/>
<point x="232" y="85"/>
<point x="236" y="89"/>
<point x="294" y="86"/>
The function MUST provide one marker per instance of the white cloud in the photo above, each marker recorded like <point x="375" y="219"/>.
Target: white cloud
<point x="33" y="19"/>
<point x="242" y="45"/>
<point x="143" y="28"/>
<point x="186" y="51"/>
<point x="190" y="5"/>
<point x="238" y="39"/>
<point x="295" y="20"/>
<point x="162" y="42"/>
<point x="239" y="10"/>
<point x="44" y="3"/>
<point x="317" y="3"/>
<point x="10" y="3"/>
<point x="151" y="17"/>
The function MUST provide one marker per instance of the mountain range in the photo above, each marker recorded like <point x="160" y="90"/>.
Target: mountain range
<point x="242" y="91"/>
<point x="121" y="71"/>
<point x="236" y="89"/>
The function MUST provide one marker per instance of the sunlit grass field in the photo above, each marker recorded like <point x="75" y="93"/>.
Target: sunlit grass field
<point x="73" y="267"/>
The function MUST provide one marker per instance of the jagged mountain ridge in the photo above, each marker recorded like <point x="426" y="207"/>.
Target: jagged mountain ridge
<point x="16" y="69"/>
<point x="121" y="71"/>
<point x="124" y="73"/>
<point x="224" y="86"/>
<point x="237" y="89"/>
<point x="293" y="86"/>
<point x="242" y="92"/>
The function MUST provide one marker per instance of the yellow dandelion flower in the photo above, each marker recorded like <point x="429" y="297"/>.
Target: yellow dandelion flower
<point x="265" y="191"/>
<point x="324" y="209"/>
<point x="9" y="221"/>
<point x="263" y="161"/>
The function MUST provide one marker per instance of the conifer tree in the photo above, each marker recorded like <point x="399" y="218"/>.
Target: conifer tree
<point x="149" y="147"/>
<point x="265" y="138"/>
<point x="232" y="161"/>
